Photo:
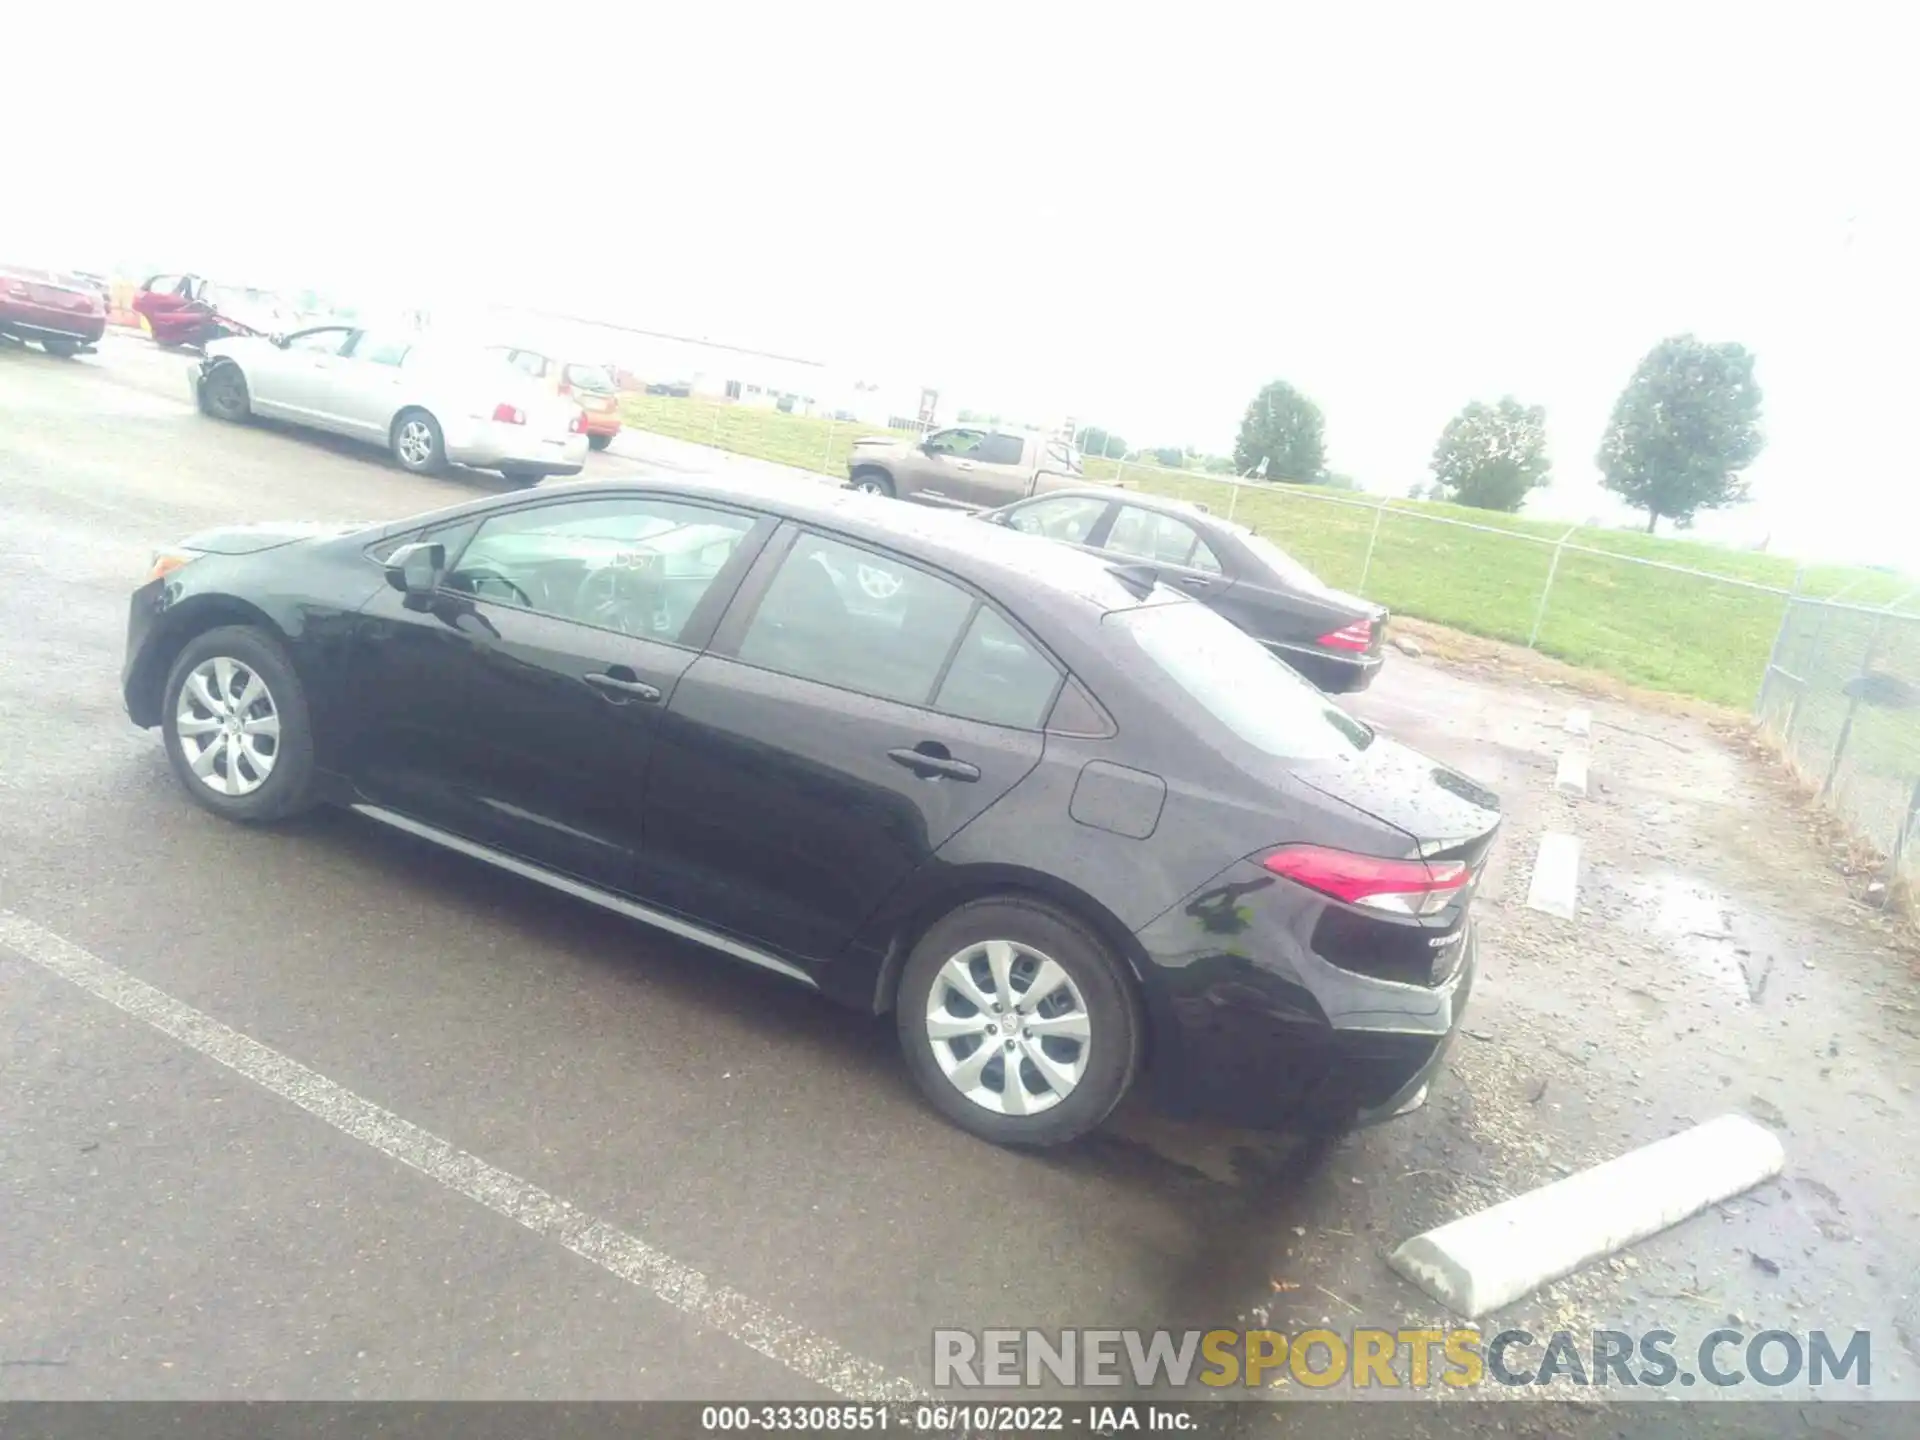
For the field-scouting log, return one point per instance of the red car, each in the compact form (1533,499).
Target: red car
(64,313)
(591,387)
(185,310)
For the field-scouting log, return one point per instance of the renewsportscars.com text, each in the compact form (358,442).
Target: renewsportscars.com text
(1397,1359)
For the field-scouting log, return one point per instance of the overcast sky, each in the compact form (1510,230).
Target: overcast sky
(1134,215)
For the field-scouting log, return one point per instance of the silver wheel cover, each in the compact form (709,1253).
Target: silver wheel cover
(1008,1027)
(228,726)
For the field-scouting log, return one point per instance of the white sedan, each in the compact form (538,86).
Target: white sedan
(427,403)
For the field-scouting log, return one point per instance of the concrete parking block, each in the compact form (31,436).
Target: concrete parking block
(1555,887)
(1579,722)
(1483,1261)
(1571,777)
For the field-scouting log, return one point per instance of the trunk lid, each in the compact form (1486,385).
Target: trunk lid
(1447,815)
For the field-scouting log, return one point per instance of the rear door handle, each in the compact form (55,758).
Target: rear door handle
(933,767)
(615,686)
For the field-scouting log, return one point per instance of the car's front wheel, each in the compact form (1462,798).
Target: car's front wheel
(61,349)
(1018,1024)
(599,442)
(872,482)
(223,393)
(418,444)
(237,731)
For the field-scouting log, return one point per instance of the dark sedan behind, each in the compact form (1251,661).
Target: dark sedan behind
(1332,638)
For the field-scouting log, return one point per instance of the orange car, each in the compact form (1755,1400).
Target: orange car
(591,387)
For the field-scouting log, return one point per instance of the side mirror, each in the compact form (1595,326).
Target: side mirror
(279,342)
(415,570)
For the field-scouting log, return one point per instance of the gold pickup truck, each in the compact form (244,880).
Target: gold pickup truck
(965,467)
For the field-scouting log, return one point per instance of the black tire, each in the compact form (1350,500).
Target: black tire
(522,479)
(223,394)
(287,787)
(1107,1000)
(873,482)
(426,445)
(61,349)
(599,442)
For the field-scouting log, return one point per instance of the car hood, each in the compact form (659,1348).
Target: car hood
(251,539)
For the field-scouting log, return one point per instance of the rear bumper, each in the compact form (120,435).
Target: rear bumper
(1252,1028)
(33,322)
(1336,672)
(492,445)
(602,422)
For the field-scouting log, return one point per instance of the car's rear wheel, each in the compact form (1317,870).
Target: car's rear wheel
(223,394)
(873,482)
(61,349)
(418,444)
(599,442)
(237,731)
(1017,1023)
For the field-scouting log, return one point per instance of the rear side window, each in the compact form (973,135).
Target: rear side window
(1000,450)
(590,377)
(998,676)
(857,620)
(1065,517)
(1242,685)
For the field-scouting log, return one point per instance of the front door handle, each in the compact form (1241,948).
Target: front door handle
(615,687)
(1195,582)
(934,767)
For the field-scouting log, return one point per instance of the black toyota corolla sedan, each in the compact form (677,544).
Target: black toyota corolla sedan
(1330,637)
(1071,829)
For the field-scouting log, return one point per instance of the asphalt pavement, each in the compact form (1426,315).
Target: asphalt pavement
(611,1165)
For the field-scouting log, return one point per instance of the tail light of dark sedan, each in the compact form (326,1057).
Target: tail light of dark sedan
(1413,888)
(1357,637)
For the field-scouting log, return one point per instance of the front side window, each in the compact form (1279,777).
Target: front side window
(858,620)
(954,442)
(380,350)
(637,565)
(319,342)
(1065,517)
(1000,449)
(1240,683)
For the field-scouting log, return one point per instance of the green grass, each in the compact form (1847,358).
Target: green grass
(1667,631)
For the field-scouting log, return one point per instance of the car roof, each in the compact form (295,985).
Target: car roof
(1004,561)
(1164,504)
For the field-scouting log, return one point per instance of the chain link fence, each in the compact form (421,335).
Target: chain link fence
(1842,698)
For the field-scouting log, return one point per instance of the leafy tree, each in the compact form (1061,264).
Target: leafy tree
(1092,440)
(1174,457)
(1683,430)
(1491,456)
(1334,480)
(1285,431)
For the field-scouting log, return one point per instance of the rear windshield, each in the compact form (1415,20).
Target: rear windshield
(589,377)
(1282,564)
(1241,683)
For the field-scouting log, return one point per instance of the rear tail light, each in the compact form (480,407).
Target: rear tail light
(1398,887)
(509,414)
(1357,636)
(578,423)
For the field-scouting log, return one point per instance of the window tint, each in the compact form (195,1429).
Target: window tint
(380,350)
(997,676)
(1065,517)
(636,565)
(1000,449)
(319,342)
(954,442)
(856,619)
(1240,683)
(1149,535)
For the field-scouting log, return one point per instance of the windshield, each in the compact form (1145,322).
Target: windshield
(1281,563)
(1241,684)
(590,377)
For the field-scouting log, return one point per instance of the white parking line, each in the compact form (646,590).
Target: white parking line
(809,1355)
(1555,888)
(1571,777)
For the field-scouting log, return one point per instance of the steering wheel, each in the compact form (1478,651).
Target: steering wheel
(604,598)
